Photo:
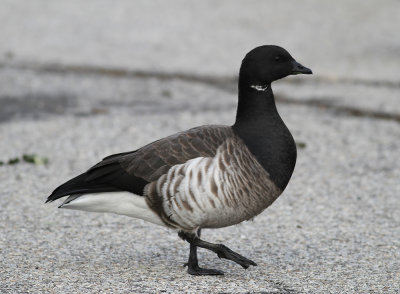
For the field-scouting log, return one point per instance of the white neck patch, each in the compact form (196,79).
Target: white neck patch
(259,87)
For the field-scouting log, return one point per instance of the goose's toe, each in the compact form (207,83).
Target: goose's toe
(225,252)
(198,271)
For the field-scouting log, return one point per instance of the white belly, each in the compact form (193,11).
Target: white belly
(124,203)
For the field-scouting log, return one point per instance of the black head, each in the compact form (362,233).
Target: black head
(268,63)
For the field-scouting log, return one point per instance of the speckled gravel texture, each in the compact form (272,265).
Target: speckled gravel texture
(336,228)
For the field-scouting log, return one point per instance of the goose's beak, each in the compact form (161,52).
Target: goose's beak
(299,69)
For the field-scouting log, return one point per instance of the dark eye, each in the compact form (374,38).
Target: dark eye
(277,58)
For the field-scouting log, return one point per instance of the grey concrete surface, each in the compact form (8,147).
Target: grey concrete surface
(350,38)
(336,229)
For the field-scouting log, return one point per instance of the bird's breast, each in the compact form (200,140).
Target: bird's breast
(212,192)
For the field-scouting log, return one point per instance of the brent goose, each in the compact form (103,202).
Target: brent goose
(206,177)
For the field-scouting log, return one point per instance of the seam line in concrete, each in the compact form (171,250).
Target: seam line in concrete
(206,79)
(220,82)
(348,110)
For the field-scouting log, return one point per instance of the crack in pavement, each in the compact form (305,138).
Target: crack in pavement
(184,76)
(343,109)
(227,83)
(118,72)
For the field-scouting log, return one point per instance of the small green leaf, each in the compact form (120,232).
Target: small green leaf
(28,158)
(13,160)
(35,159)
(41,160)
(301,145)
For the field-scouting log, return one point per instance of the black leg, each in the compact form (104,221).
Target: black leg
(193,263)
(221,250)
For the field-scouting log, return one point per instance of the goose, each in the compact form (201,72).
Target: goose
(211,176)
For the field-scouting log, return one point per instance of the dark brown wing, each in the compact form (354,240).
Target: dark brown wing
(131,171)
(155,159)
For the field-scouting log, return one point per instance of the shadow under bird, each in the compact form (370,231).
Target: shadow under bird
(211,176)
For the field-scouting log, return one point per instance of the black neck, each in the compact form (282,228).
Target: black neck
(259,125)
(255,105)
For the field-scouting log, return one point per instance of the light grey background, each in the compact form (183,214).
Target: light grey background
(80,80)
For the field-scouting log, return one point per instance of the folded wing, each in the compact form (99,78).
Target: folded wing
(132,171)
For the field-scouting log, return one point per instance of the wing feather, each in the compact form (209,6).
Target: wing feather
(132,171)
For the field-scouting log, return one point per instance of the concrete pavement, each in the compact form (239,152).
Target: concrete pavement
(82,80)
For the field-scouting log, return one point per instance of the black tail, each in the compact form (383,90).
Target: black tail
(106,176)
(79,185)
